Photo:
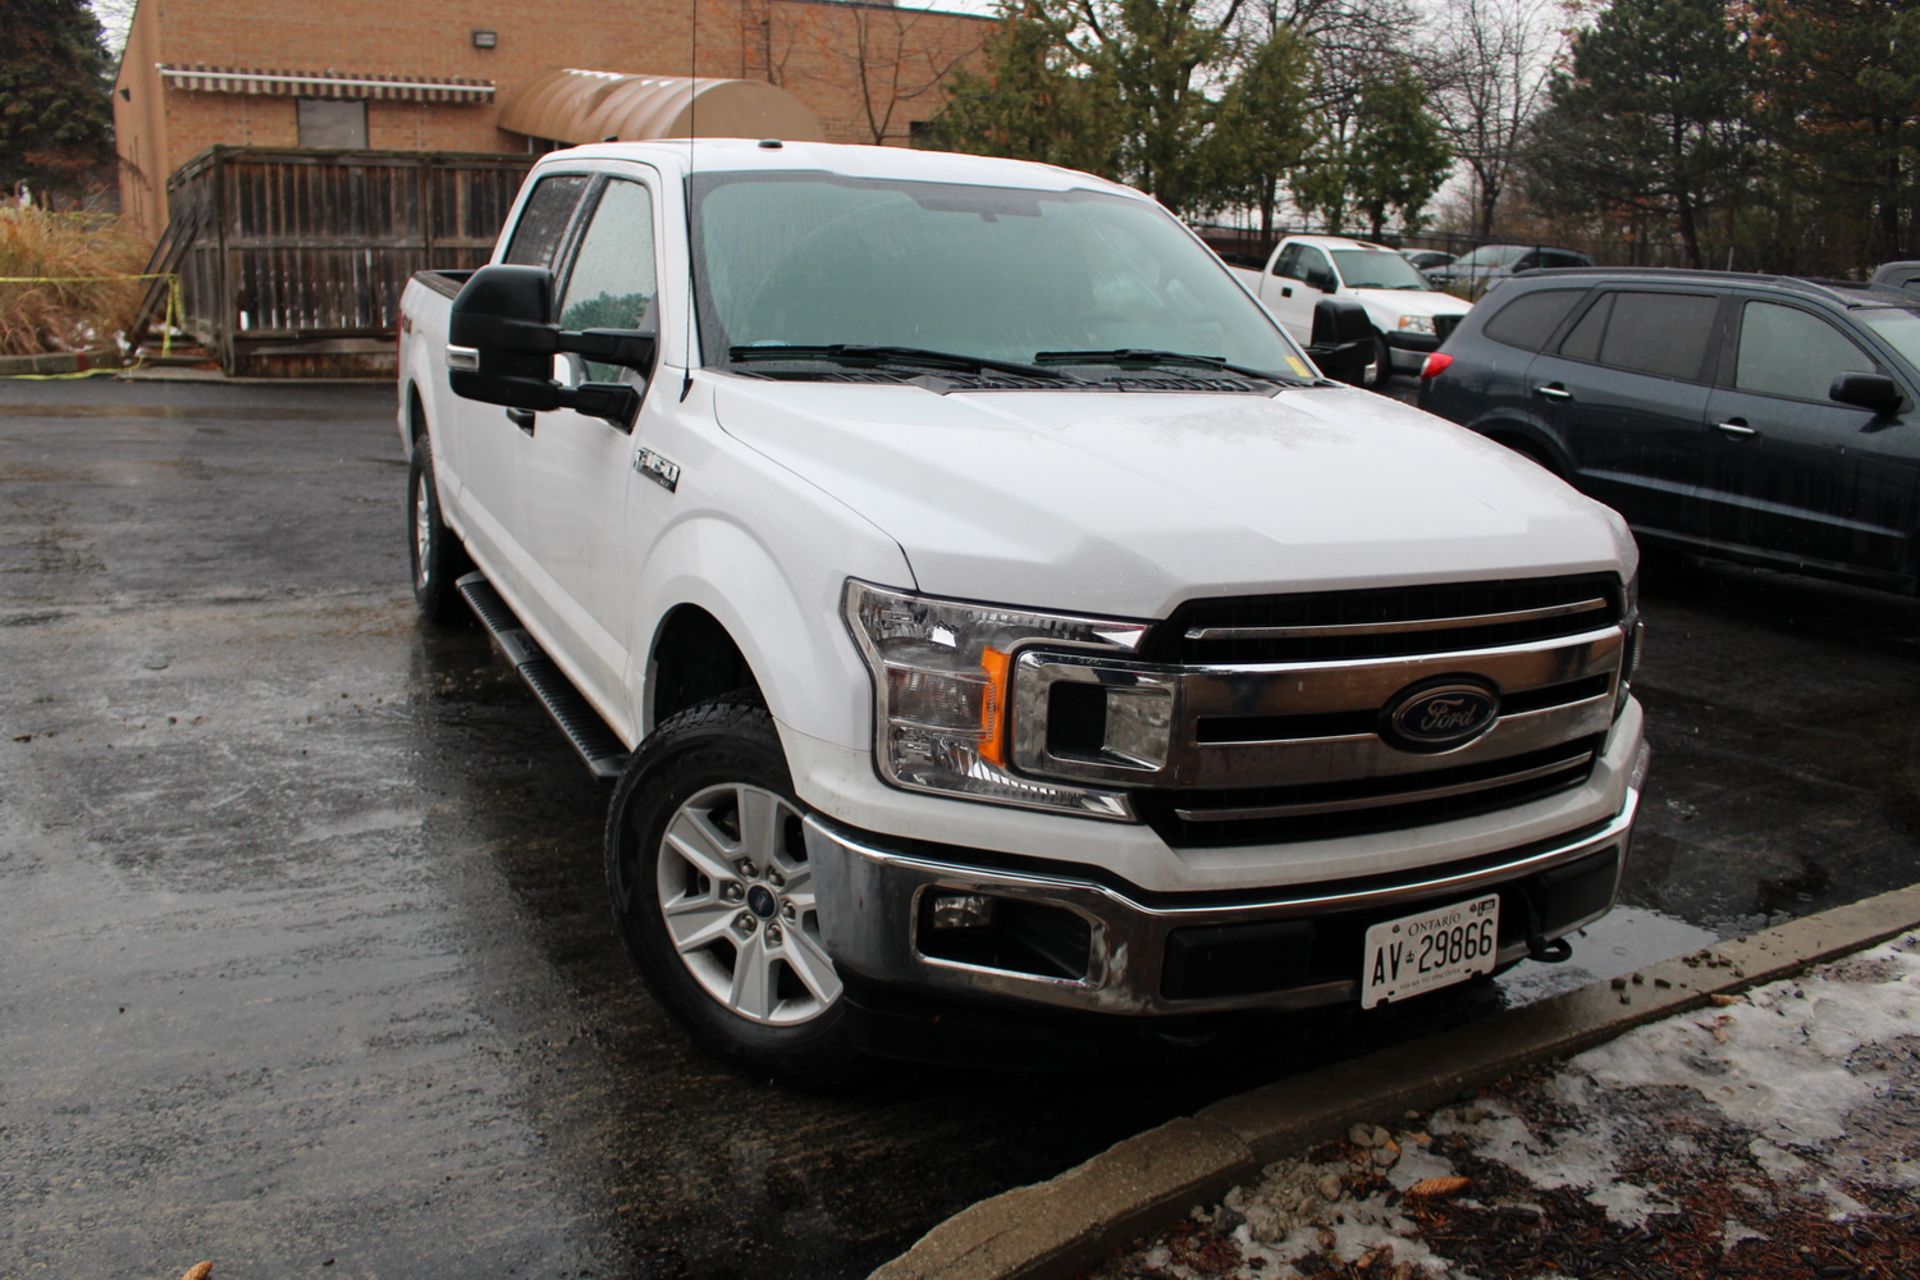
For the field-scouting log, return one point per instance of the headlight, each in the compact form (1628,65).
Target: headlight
(1636,640)
(1417,324)
(940,692)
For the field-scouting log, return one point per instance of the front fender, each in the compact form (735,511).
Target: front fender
(781,606)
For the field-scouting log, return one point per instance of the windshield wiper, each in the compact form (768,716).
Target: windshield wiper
(1143,357)
(911,357)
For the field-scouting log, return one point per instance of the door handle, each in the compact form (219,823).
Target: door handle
(521,418)
(1553,393)
(1286,291)
(1736,427)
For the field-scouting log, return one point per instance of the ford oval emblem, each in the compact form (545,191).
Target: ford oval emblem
(1438,717)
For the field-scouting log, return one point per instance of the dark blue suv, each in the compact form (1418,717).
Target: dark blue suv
(1762,417)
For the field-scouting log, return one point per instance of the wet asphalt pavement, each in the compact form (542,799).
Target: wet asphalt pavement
(304,959)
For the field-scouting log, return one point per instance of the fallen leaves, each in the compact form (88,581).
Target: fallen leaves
(1436,1188)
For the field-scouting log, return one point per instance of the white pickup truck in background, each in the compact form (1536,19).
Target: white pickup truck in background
(979,601)
(1410,316)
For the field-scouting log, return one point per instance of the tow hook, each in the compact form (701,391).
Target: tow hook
(1538,947)
(1548,952)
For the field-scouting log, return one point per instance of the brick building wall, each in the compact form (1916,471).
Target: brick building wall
(815,49)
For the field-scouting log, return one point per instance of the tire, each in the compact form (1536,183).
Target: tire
(434,551)
(713,899)
(1382,365)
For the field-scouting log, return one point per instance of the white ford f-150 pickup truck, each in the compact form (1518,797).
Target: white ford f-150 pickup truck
(978,600)
(1410,317)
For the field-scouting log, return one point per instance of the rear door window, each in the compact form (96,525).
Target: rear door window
(1584,342)
(1785,351)
(1662,334)
(543,222)
(1530,319)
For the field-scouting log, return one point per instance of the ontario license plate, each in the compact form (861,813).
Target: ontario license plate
(1436,948)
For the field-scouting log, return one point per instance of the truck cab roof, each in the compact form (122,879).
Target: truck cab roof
(678,157)
(1337,242)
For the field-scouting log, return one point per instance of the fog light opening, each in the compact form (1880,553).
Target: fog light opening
(962,911)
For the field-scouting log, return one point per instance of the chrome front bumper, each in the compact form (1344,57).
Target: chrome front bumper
(871,912)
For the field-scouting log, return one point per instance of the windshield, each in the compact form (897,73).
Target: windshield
(1493,255)
(1899,327)
(1377,269)
(813,259)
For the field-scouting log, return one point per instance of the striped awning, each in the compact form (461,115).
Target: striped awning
(326,84)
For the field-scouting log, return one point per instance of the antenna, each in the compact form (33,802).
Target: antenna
(686,196)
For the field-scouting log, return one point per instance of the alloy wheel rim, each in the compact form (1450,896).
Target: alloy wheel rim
(736,895)
(422,530)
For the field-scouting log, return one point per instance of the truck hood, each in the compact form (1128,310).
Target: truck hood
(1125,504)
(1394,303)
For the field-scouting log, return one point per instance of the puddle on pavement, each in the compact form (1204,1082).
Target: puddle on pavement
(1625,939)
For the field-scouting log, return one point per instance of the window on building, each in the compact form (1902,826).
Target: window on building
(330,122)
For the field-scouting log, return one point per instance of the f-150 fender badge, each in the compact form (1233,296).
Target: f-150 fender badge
(657,469)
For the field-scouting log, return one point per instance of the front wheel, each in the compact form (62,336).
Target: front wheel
(1379,371)
(713,895)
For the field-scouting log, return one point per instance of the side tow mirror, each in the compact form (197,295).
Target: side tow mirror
(1342,338)
(1320,278)
(1875,391)
(500,348)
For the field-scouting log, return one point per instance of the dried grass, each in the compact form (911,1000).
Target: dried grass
(60,312)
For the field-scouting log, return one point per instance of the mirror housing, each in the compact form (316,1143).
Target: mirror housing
(1875,391)
(1320,278)
(1342,338)
(500,348)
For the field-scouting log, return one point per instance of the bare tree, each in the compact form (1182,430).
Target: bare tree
(116,16)
(890,65)
(1491,62)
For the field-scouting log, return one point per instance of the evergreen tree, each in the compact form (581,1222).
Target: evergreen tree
(1400,155)
(56,115)
(1655,117)
(1261,131)
(1033,100)
(1843,81)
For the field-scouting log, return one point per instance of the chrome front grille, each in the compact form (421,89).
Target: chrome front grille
(1384,622)
(1256,721)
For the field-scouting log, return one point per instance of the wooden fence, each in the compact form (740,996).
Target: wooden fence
(298,257)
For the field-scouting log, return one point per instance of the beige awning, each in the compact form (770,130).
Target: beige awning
(568,104)
(326,84)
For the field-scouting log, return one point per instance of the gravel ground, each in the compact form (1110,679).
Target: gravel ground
(1773,1134)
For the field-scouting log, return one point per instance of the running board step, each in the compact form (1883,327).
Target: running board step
(574,714)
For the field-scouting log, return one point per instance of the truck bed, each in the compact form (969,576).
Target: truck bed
(444,283)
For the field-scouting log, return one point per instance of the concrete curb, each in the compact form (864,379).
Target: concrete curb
(1058,1227)
(58,362)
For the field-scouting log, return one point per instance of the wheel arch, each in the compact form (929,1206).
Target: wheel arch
(693,659)
(712,581)
(1530,440)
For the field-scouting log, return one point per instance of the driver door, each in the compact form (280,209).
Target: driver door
(579,470)
(1289,297)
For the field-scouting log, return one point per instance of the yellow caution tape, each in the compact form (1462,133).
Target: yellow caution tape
(174,312)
